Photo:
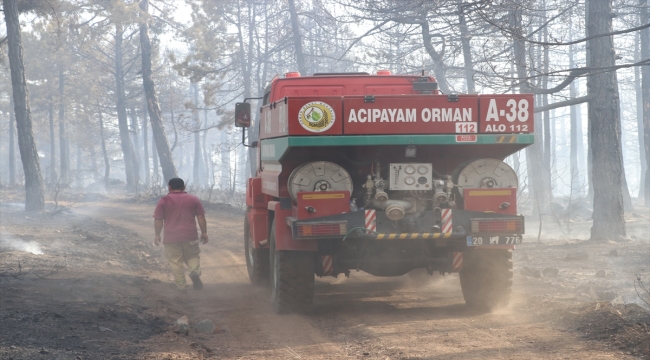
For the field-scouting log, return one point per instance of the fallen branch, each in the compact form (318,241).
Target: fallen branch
(642,291)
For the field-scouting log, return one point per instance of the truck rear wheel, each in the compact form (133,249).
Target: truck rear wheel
(486,278)
(292,278)
(257,260)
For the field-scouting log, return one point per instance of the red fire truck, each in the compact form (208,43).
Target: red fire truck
(385,174)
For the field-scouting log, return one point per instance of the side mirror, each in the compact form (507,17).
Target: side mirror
(243,114)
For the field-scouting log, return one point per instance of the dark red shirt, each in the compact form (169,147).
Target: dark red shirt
(178,210)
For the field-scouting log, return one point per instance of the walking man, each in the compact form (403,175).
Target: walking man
(176,212)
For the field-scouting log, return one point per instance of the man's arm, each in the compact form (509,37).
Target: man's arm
(158,226)
(204,228)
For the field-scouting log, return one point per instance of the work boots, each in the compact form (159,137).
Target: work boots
(196,281)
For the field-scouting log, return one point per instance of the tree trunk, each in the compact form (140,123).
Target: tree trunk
(297,40)
(575,132)
(196,169)
(533,152)
(107,164)
(145,146)
(34,192)
(604,123)
(627,198)
(639,116)
(12,143)
(130,162)
(64,148)
(155,115)
(438,65)
(225,162)
(204,151)
(590,191)
(135,137)
(79,176)
(93,162)
(50,113)
(465,38)
(156,163)
(645,93)
(548,150)
(245,61)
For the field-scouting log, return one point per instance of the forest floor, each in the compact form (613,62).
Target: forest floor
(87,283)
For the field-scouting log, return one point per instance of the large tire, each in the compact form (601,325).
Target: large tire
(486,278)
(257,260)
(292,278)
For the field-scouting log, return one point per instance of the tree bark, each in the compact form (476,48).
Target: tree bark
(107,164)
(155,115)
(297,40)
(34,192)
(604,122)
(12,143)
(130,162)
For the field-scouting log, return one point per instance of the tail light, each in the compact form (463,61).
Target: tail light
(503,226)
(322,229)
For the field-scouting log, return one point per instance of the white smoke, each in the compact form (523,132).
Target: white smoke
(8,242)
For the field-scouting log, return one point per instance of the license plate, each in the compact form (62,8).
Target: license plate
(493,240)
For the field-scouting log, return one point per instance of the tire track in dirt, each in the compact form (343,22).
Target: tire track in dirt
(361,317)
(243,311)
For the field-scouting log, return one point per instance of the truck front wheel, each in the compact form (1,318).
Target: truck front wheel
(292,278)
(257,260)
(486,278)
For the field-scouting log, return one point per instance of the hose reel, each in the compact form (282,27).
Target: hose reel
(319,176)
(486,173)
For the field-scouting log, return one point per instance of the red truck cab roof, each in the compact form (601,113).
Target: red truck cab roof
(344,85)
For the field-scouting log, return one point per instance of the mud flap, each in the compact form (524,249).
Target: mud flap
(325,265)
(455,262)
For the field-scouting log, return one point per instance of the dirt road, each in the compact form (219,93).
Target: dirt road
(362,317)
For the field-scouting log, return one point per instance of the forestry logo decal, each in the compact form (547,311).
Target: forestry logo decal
(316,116)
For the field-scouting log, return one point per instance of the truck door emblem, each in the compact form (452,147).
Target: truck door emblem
(316,116)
